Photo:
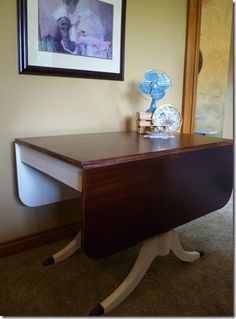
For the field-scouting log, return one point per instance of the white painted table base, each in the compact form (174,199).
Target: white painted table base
(156,246)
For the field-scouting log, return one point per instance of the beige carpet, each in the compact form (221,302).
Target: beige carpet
(170,287)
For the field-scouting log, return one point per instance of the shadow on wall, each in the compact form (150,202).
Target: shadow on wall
(128,124)
(133,95)
(135,99)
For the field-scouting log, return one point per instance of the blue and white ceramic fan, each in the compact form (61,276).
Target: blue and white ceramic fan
(154,85)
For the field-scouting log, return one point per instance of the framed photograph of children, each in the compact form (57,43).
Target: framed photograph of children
(76,38)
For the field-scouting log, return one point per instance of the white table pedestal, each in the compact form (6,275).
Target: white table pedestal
(156,246)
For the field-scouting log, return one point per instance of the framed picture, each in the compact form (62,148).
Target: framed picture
(76,38)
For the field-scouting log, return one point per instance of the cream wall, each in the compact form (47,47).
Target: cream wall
(43,105)
(213,80)
(228,127)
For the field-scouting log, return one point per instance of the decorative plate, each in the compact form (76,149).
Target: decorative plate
(167,117)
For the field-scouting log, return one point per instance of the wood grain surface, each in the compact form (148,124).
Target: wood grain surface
(102,149)
(126,203)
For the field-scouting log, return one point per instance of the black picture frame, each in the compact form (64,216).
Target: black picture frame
(92,67)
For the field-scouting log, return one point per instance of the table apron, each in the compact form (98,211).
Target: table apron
(43,179)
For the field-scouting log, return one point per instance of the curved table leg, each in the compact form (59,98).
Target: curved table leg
(157,246)
(176,247)
(64,253)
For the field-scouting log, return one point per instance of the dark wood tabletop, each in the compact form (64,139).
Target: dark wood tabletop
(101,149)
(135,187)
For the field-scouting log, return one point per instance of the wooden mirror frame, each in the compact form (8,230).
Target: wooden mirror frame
(193,28)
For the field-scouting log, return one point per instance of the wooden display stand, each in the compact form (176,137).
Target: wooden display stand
(144,122)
